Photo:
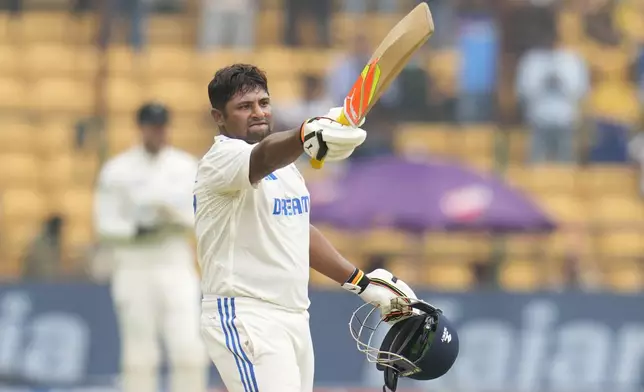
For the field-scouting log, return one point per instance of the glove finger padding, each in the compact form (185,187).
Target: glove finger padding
(324,138)
(335,114)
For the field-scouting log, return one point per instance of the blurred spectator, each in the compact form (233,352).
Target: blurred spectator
(314,102)
(478,45)
(136,11)
(551,84)
(416,93)
(306,13)
(11,5)
(361,6)
(43,257)
(228,23)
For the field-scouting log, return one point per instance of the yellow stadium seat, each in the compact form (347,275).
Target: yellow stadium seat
(168,61)
(470,247)
(181,95)
(618,245)
(599,180)
(75,204)
(571,27)
(344,241)
(476,140)
(544,178)
(49,59)
(123,61)
(408,269)
(121,134)
(13,94)
(630,20)
(450,276)
(285,89)
(386,241)
(22,203)
(617,211)
(55,136)
(175,29)
(269,27)
(615,100)
(44,26)
(419,139)
(17,235)
(209,62)
(626,278)
(59,169)
(523,245)
(517,143)
(19,170)
(316,61)
(16,135)
(272,59)
(9,59)
(521,275)
(123,95)
(8,28)
(564,207)
(62,95)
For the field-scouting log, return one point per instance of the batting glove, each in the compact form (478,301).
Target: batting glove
(327,139)
(382,289)
(335,114)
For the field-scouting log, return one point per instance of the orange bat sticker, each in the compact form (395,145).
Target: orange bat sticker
(361,94)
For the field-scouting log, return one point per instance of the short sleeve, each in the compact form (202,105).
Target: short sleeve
(226,167)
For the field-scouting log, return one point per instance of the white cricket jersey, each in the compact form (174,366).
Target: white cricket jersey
(135,188)
(252,239)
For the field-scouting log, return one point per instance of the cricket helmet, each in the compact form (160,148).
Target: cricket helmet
(423,346)
(153,113)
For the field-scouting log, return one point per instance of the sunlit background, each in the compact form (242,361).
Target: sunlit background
(520,120)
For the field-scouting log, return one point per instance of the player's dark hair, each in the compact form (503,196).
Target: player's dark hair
(232,80)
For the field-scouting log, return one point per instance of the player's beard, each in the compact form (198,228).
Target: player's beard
(257,135)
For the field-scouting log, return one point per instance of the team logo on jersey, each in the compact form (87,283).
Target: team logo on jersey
(291,206)
(271,177)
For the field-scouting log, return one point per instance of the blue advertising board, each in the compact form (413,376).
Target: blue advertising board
(66,334)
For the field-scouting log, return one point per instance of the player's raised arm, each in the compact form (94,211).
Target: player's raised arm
(241,108)
(379,287)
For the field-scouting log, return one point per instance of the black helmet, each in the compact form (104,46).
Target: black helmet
(153,113)
(423,346)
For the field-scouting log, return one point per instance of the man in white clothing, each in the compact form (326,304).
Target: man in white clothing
(143,215)
(255,243)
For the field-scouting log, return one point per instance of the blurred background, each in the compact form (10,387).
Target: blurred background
(520,120)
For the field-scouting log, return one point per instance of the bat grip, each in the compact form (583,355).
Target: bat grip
(342,119)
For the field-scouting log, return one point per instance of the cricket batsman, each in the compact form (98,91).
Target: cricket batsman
(255,242)
(143,215)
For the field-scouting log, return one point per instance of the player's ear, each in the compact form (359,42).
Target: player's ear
(218,116)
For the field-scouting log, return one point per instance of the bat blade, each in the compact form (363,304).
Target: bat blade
(386,63)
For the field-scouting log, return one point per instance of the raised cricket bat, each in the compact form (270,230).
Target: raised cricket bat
(391,56)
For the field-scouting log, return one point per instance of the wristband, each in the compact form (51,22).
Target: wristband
(357,282)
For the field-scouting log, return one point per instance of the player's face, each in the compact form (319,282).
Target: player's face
(154,137)
(247,116)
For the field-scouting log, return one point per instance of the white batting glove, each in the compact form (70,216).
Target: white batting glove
(382,289)
(327,139)
(335,113)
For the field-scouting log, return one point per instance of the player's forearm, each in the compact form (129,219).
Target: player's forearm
(325,259)
(274,152)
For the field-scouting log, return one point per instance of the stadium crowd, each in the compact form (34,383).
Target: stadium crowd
(545,94)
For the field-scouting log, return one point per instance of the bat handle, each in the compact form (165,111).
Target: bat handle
(342,119)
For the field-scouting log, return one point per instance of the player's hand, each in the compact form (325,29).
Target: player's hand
(327,139)
(335,114)
(382,289)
